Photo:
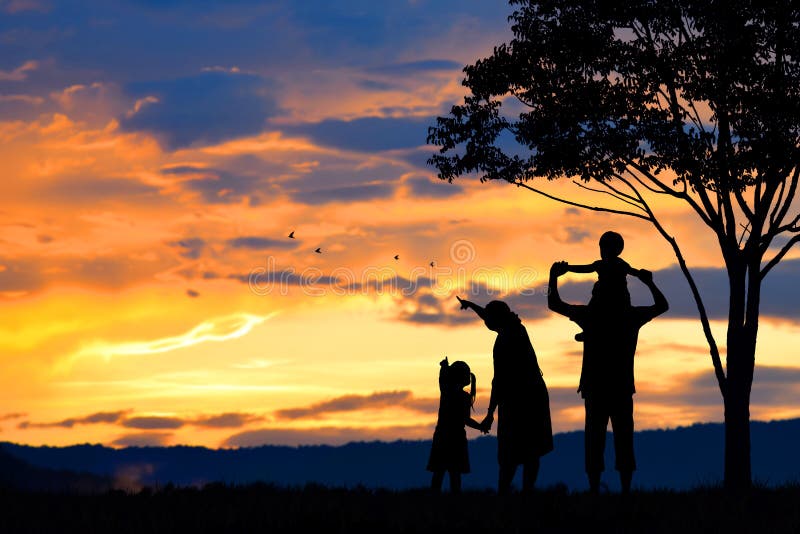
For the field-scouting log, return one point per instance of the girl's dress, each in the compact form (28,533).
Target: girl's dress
(449,447)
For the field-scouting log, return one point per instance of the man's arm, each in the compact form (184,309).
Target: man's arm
(554,301)
(660,304)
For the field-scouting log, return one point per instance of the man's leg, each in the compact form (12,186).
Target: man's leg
(622,425)
(595,440)
(506,477)
(625,478)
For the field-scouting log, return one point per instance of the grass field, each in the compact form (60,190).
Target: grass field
(260,508)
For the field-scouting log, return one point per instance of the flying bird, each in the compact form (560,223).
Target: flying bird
(397,256)
(432,264)
(319,250)
(291,234)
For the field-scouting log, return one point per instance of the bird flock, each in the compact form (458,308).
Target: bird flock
(318,250)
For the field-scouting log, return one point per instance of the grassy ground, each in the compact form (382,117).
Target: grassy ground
(261,508)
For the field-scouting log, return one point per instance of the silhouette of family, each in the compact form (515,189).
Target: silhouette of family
(610,328)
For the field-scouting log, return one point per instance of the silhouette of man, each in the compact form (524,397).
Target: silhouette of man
(606,384)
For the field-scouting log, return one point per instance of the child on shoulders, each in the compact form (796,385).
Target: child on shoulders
(611,289)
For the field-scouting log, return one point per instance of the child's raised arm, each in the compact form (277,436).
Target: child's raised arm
(443,365)
(590,268)
(631,271)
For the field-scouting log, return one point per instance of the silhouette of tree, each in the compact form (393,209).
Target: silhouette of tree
(693,100)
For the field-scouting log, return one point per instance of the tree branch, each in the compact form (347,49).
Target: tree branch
(791,227)
(612,193)
(774,211)
(779,256)
(731,229)
(650,187)
(699,122)
(779,212)
(712,343)
(578,204)
(706,212)
(713,218)
(787,202)
(743,205)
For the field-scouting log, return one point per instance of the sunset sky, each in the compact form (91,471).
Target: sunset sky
(155,157)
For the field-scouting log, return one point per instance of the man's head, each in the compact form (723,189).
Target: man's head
(611,245)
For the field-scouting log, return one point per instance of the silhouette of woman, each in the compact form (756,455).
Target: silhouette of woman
(524,430)
(449,448)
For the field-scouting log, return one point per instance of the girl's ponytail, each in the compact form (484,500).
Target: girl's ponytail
(472,390)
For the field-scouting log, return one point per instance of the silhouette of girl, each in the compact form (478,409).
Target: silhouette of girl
(449,448)
(524,431)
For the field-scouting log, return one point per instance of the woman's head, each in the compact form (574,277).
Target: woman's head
(498,315)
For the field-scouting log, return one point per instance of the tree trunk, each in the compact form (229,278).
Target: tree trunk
(741,340)
(741,358)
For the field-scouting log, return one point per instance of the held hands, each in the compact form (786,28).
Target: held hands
(559,268)
(486,424)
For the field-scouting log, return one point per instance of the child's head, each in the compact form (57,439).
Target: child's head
(498,315)
(460,376)
(611,245)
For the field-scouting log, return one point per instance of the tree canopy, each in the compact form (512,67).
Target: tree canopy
(707,89)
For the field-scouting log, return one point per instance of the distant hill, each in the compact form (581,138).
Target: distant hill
(680,458)
(17,474)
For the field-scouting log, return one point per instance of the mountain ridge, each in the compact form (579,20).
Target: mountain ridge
(679,458)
